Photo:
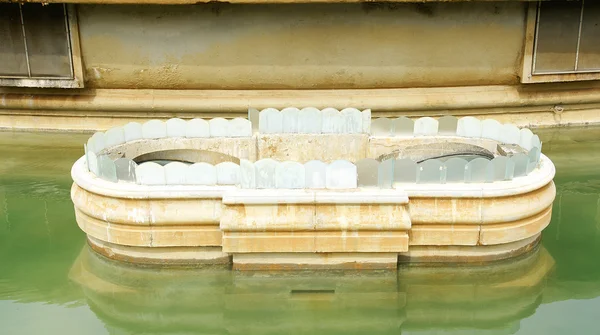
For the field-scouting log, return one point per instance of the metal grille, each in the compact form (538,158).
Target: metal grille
(43,42)
(561,27)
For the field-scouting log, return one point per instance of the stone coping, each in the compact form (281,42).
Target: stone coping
(519,185)
(270,196)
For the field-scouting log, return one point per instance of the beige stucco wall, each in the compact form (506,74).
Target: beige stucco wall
(301,46)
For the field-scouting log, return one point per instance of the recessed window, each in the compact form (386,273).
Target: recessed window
(37,46)
(563,41)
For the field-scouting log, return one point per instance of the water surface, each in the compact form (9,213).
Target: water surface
(51,283)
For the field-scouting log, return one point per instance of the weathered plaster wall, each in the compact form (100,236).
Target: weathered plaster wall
(301,46)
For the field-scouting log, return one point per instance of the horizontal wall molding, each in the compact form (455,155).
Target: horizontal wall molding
(536,105)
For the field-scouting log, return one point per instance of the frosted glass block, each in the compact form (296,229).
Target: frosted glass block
(477,171)
(290,175)
(381,127)
(197,128)
(96,143)
(201,174)
(154,129)
(533,159)
(469,126)
(133,131)
(430,172)
(520,162)
(239,127)
(247,174)
(510,134)
(310,121)
(535,142)
(290,120)
(265,173)
(426,126)
(366,121)
(270,121)
(253,117)
(405,171)
(315,174)
(125,169)
(386,173)
(448,125)
(176,127)
(455,170)
(218,127)
(92,161)
(500,168)
(114,136)
(175,173)
(228,173)
(491,129)
(107,168)
(352,121)
(368,172)
(332,121)
(403,126)
(150,173)
(525,139)
(341,174)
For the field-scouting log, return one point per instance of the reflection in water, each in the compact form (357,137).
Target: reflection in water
(490,299)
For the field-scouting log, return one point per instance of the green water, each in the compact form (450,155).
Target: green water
(50,283)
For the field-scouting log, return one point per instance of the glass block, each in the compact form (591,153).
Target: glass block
(108,170)
(520,162)
(341,174)
(240,127)
(448,125)
(468,126)
(253,117)
(491,129)
(589,45)
(310,121)
(228,173)
(368,172)
(352,120)
(290,175)
(175,173)
(197,128)
(265,173)
(13,61)
(525,140)
(114,136)
(557,31)
(500,168)
(289,117)
(386,173)
(405,171)
(510,134)
(426,126)
(476,170)
(218,127)
(403,126)
(270,121)
(154,129)
(204,174)
(455,170)
(366,121)
(125,169)
(150,173)
(332,121)
(381,127)
(133,131)
(430,172)
(176,127)
(315,174)
(47,40)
